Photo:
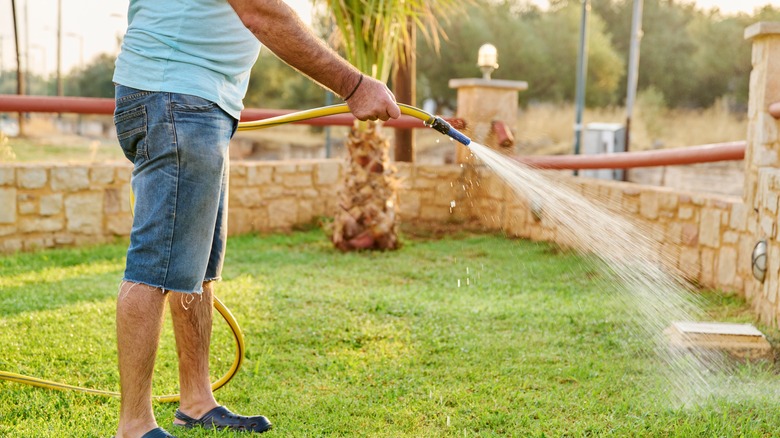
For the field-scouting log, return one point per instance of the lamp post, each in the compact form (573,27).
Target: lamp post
(81,47)
(487,60)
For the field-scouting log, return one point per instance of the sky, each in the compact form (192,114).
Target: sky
(90,27)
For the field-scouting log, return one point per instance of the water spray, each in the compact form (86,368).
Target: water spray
(429,120)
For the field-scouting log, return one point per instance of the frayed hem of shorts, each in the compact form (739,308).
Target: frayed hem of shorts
(162,288)
(209,280)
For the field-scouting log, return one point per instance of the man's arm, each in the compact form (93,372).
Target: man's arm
(280,29)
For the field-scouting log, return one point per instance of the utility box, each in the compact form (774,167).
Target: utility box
(603,138)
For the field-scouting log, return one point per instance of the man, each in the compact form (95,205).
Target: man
(181,76)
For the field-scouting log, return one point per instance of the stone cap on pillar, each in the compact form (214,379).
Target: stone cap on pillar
(489,83)
(762,28)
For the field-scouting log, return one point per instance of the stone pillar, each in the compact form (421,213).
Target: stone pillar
(762,164)
(482,102)
(762,141)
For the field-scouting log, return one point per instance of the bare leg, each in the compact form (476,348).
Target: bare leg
(192,315)
(139,311)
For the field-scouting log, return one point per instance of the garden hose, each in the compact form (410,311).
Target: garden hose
(430,120)
(434,122)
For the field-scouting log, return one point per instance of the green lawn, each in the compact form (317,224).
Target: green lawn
(471,335)
(47,150)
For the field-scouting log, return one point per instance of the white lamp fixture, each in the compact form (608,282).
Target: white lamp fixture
(487,60)
(758,260)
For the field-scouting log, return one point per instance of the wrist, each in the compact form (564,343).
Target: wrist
(355,88)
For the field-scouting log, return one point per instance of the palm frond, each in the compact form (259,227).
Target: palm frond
(373,34)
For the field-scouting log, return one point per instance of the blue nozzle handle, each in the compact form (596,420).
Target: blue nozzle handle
(457,135)
(445,128)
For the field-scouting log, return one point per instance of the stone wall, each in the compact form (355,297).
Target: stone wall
(48,205)
(706,237)
(53,205)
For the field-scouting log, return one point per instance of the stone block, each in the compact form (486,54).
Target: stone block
(7,230)
(112,201)
(8,203)
(282,213)
(434,213)
(305,167)
(738,217)
(674,233)
(668,201)
(123,173)
(730,237)
(7,175)
(329,172)
(297,180)
(242,220)
(690,234)
(41,225)
(741,342)
(9,246)
(631,204)
(648,205)
(285,167)
(69,178)
(685,212)
(31,177)
(102,175)
(708,267)
(27,204)
(84,213)
(246,197)
(259,175)
(119,224)
(305,212)
(50,205)
(409,204)
(709,229)
(65,239)
(727,266)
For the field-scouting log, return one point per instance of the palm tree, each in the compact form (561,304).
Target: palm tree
(373,35)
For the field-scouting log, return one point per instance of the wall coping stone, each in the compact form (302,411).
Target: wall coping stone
(762,28)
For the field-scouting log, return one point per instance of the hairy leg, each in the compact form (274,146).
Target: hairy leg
(192,316)
(139,311)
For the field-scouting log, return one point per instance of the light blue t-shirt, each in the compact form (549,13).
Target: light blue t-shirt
(197,47)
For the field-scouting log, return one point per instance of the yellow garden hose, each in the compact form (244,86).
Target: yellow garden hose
(218,305)
(429,120)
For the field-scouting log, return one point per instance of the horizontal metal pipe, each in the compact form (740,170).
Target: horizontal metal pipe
(105,106)
(625,160)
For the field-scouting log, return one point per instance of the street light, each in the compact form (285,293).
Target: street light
(487,58)
(81,47)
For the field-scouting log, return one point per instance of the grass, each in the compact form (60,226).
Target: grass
(469,335)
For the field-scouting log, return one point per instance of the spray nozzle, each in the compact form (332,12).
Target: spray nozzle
(445,128)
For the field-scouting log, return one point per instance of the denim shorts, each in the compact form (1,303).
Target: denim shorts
(178,145)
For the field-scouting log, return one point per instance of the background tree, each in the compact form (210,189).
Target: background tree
(534,46)
(95,80)
(274,84)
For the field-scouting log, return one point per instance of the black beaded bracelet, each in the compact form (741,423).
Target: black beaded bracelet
(354,89)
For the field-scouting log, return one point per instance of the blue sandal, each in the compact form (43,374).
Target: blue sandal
(221,418)
(157,433)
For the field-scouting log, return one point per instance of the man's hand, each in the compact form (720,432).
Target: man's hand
(372,100)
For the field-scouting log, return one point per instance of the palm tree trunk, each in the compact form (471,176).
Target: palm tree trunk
(367,217)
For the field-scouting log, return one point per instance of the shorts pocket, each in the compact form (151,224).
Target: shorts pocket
(190,103)
(131,127)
